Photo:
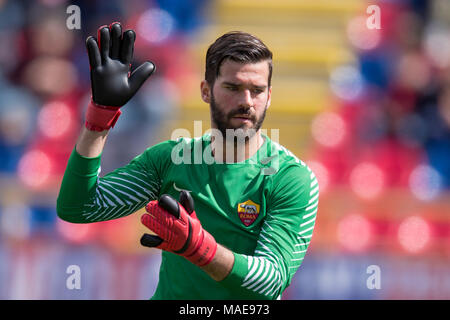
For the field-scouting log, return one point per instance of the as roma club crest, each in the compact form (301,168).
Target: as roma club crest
(248,212)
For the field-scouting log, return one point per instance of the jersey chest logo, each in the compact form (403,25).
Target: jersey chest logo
(248,212)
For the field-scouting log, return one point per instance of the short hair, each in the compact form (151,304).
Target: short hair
(237,46)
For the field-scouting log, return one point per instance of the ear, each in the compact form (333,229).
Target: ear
(205,91)
(269,97)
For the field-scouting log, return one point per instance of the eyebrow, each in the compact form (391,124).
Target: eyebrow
(227,83)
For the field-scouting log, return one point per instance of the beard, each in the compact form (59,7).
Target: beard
(223,120)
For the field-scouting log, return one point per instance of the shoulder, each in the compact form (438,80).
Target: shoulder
(157,157)
(163,150)
(162,147)
(174,152)
(293,184)
(289,165)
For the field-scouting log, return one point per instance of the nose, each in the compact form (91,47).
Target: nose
(247,99)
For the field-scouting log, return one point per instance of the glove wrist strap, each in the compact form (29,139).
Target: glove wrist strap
(205,251)
(100,118)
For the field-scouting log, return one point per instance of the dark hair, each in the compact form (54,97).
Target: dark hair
(236,46)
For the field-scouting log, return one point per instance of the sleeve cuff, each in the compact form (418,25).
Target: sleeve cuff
(238,272)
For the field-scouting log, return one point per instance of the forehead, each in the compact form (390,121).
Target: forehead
(256,73)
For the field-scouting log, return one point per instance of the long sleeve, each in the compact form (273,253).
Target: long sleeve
(284,238)
(85,197)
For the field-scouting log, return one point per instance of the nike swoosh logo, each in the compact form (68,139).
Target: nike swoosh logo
(268,159)
(179,189)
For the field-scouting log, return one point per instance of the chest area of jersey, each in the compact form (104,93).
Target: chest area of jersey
(226,198)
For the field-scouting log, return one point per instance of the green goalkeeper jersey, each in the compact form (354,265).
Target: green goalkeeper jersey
(263,209)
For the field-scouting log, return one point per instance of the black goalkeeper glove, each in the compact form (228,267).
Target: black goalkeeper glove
(111,81)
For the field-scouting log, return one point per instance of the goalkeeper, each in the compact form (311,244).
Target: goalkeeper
(234,226)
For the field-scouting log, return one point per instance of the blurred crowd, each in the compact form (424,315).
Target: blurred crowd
(45,89)
(387,128)
(392,124)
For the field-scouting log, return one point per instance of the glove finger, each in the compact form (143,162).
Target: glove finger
(148,240)
(162,221)
(138,76)
(165,230)
(93,52)
(187,201)
(116,35)
(170,205)
(157,212)
(103,40)
(126,51)
(154,225)
(153,241)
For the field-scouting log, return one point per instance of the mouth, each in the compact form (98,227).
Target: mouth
(242,116)
(246,120)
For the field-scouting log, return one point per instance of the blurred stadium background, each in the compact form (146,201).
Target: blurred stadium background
(368,110)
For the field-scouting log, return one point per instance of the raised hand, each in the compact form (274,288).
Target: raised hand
(112,84)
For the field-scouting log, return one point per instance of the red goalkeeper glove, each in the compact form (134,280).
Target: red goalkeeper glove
(178,229)
(111,81)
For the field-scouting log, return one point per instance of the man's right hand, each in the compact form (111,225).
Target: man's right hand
(112,84)
(178,229)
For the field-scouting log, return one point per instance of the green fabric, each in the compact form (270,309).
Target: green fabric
(263,209)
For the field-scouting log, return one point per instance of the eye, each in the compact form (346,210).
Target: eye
(232,88)
(257,91)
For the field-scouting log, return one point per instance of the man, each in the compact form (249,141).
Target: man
(246,212)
